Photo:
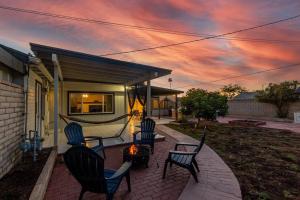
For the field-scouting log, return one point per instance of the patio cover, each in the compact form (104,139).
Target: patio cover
(159,91)
(77,66)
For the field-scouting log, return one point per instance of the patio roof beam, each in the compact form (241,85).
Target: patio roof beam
(41,67)
(57,64)
(79,68)
(94,77)
(100,66)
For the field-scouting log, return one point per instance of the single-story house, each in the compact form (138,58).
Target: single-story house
(57,81)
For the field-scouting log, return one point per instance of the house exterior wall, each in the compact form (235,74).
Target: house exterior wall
(118,91)
(11,124)
(253,108)
(33,77)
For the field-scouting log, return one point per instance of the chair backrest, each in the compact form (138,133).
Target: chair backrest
(147,125)
(87,167)
(74,133)
(201,143)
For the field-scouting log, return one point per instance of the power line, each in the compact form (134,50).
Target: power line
(219,36)
(242,75)
(153,29)
(205,38)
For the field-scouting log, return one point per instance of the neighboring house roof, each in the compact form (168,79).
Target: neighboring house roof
(78,66)
(245,96)
(13,59)
(23,57)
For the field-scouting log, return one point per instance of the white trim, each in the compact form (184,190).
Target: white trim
(56,64)
(55,106)
(148,98)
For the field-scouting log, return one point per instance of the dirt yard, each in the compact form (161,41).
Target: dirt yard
(266,161)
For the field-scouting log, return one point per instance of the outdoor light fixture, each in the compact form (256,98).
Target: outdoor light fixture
(85,95)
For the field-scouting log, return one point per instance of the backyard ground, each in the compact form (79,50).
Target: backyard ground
(19,182)
(266,161)
(146,183)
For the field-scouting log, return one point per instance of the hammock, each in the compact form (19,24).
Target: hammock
(135,92)
(119,135)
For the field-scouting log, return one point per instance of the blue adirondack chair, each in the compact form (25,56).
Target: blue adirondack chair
(147,133)
(75,137)
(88,169)
(185,159)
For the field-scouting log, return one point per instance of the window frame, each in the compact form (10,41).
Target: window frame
(94,92)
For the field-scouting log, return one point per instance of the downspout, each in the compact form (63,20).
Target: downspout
(26,80)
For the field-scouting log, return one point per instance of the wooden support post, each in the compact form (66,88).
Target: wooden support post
(176,107)
(148,98)
(125,102)
(158,108)
(55,106)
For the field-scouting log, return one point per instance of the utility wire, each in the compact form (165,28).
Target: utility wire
(154,29)
(243,75)
(205,38)
(208,36)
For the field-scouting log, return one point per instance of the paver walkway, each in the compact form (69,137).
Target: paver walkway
(216,180)
(146,183)
(269,124)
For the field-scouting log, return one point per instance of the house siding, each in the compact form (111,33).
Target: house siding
(11,124)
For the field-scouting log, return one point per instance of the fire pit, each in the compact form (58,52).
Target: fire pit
(139,155)
(247,122)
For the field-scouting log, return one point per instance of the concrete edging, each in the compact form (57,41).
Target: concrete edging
(216,179)
(41,184)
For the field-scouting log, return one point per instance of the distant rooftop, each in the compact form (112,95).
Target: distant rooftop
(23,57)
(245,96)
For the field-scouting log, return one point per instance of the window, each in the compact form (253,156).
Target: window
(90,103)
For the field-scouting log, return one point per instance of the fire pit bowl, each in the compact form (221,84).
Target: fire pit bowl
(241,122)
(138,154)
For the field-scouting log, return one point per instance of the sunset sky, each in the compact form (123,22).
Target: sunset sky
(195,64)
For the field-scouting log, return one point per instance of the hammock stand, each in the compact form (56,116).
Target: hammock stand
(137,94)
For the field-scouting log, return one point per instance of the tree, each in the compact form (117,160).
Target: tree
(231,90)
(204,104)
(280,95)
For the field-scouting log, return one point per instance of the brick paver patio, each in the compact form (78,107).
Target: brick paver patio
(146,183)
(216,180)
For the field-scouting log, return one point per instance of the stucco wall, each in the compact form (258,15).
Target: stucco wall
(33,77)
(118,91)
(11,124)
(253,108)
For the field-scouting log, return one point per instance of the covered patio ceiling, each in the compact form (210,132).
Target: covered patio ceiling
(77,66)
(159,91)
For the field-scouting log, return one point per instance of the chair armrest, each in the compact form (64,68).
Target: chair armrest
(136,132)
(121,171)
(184,144)
(182,153)
(93,138)
(74,144)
